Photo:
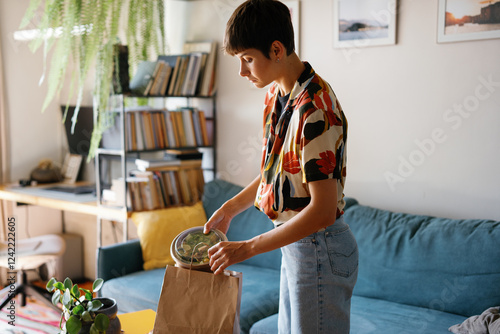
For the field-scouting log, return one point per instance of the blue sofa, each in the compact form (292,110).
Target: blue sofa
(417,274)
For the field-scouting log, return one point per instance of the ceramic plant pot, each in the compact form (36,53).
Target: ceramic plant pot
(109,308)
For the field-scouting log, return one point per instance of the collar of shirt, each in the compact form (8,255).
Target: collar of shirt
(281,115)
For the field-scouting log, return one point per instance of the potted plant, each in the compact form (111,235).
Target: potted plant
(81,311)
(88,32)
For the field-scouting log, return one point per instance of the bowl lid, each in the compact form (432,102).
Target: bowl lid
(192,245)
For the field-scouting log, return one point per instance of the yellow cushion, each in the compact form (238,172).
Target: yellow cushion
(157,229)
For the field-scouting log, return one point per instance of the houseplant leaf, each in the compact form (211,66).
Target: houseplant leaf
(75,291)
(89,295)
(94,305)
(86,316)
(87,31)
(101,322)
(78,310)
(56,297)
(97,284)
(73,325)
(68,284)
(50,284)
(93,330)
(66,299)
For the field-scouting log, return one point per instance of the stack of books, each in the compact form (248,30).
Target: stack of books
(161,185)
(151,129)
(189,74)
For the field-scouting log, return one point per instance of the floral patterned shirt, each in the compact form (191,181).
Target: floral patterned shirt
(306,144)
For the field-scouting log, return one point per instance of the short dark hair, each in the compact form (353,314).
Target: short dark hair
(257,24)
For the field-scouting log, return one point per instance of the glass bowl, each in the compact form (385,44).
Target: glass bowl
(189,249)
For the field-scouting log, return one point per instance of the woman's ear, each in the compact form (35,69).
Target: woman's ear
(278,50)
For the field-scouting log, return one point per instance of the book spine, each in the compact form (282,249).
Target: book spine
(169,129)
(187,122)
(197,127)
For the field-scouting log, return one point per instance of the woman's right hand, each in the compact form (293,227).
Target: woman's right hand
(221,219)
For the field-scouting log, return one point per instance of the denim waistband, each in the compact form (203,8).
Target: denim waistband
(338,225)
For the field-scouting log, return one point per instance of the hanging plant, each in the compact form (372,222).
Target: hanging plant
(87,31)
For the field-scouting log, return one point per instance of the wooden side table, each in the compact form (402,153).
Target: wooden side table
(140,322)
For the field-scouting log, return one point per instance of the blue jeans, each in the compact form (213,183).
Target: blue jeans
(318,274)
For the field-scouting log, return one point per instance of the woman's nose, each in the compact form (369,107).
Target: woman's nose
(243,70)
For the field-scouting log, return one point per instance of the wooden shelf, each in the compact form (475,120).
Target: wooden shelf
(16,194)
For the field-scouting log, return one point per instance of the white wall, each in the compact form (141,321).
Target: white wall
(239,104)
(408,147)
(395,96)
(33,136)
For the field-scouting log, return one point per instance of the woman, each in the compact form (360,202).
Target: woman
(300,187)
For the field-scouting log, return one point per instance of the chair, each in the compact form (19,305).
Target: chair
(40,254)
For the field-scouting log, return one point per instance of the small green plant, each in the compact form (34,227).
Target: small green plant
(78,306)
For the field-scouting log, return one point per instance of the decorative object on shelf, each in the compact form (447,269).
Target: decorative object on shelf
(88,30)
(465,21)
(46,172)
(81,312)
(364,23)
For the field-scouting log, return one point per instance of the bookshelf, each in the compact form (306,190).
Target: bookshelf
(133,178)
(157,149)
(150,155)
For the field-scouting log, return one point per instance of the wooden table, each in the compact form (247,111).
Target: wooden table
(140,322)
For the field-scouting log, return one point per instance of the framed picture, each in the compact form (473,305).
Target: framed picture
(465,20)
(294,13)
(360,23)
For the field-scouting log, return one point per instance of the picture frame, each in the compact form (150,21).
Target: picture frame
(362,23)
(466,21)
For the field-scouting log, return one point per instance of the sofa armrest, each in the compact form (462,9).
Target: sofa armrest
(119,259)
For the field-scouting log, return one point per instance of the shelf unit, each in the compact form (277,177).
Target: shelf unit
(106,159)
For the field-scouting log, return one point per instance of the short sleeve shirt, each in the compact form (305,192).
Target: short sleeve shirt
(305,144)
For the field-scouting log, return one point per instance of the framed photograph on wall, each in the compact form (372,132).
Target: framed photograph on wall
(466,20)
(360,23)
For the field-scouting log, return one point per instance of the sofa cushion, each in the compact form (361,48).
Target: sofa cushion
(244,226)
(380,316)
(443,264)
(267,325)
(375,316)
(158,228)
(136,291)
(260,296)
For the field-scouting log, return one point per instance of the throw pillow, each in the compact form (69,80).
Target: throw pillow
(157,229)
(487,322)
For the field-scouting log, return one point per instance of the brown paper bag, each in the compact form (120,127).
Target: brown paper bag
(196,302)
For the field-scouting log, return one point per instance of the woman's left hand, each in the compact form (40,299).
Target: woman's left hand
(227,253)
